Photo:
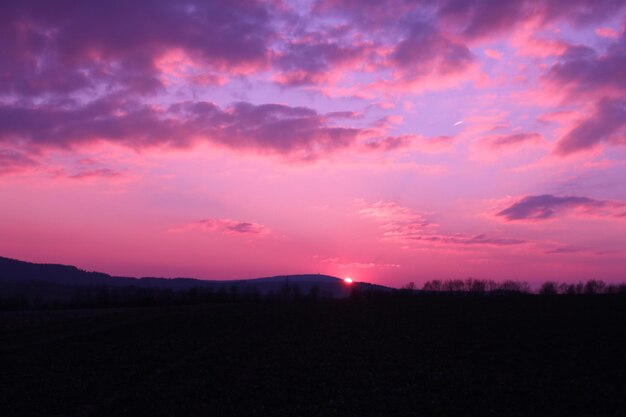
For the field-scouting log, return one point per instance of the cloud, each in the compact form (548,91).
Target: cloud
(271,128)
(13,162)
(606,125)
(597,81)
(96,173)
(584,74)
(405,226)
(429,145)
(70,48)
(511,140)
(493,54)
(605,32)
(226,226)
(426,51)
(564,250)
(305,62)
(547,206)
(478,19)
(357,265)
(493,148)
(296,133)
(73,46)
(389,143)
(470,19)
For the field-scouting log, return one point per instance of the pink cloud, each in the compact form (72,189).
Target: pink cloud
(403,225)
(493,54)
(530,45)
(605,32)
(14,162)
(358,265)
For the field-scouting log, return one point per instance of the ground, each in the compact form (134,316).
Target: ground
(392,356)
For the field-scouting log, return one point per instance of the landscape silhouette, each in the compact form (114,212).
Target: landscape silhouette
(77,343)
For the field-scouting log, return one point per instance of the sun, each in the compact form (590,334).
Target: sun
(347,280)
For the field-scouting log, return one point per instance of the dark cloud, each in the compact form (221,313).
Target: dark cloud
(427,51)
(486,240)
(469,18)
(582,72)
(432,37)
(480,18)
(306,63)
(606,124)
(546,206)
(229,226)
(566,250)
(71,46)
(585,76)
(469,240)
(272,128)
(65,46)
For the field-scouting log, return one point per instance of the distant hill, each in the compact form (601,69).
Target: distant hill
(15,274)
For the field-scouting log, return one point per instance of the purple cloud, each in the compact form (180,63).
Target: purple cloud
(583,72)
(68,46)
(546,206)
(470,18)
(480,18)
(427,50)
(269,128)
(305,63)
(232,227)
(607,124)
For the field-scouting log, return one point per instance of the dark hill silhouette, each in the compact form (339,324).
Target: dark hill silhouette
(15,274)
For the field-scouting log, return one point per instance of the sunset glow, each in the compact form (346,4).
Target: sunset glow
(393,141)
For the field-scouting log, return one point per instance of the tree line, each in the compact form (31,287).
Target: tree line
(480,286)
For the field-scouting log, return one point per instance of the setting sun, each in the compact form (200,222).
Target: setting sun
(347,280)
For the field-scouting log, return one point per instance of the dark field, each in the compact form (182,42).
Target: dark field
(390,356)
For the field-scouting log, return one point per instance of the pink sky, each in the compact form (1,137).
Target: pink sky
(387,141)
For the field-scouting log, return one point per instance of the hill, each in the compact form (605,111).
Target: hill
(54,281)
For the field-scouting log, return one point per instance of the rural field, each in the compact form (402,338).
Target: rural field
(385,355)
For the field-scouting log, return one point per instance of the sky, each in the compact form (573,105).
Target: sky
(387,141)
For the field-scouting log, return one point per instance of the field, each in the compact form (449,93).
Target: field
(382,356)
